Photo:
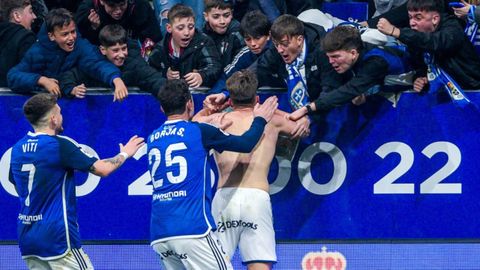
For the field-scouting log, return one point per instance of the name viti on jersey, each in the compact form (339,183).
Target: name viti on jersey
(30,146)
(167,131)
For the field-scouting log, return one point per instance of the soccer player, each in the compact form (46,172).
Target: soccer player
(42,167)
(241,206)
(178,153)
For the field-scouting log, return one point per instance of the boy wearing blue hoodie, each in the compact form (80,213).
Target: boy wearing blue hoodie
(58,50)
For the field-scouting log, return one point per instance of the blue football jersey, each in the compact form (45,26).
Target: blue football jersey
(42,168)
(178,155)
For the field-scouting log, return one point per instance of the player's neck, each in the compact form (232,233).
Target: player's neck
(183,116)
(243,108)
(48,131)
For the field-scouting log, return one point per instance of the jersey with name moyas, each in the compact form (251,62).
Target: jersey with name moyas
(42,169)
(178,154)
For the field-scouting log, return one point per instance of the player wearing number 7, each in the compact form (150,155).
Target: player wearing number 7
(42,166)
(178,154)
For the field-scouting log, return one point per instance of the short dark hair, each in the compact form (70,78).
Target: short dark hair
(342,38)
(7,7)
(286,25)
(114,2)
(425,5)
(242,86)
(173,96)
(220,4)
(112,34)
(180,11)
(38,106)
(255,24)
(58,18)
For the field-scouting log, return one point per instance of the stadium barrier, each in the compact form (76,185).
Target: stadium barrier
(374,183)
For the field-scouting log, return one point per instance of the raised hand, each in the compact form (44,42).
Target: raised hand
(94,19)
(267,109)
(132,145)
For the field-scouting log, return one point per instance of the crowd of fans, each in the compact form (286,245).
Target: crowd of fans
(65,47)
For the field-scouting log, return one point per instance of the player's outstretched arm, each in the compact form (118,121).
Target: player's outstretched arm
(294,129)
(104,167)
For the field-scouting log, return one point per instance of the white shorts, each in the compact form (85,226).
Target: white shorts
(204,253)
(76,259)
(244,219)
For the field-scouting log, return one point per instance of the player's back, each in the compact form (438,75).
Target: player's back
(181,180)
(46,195)
(247,169)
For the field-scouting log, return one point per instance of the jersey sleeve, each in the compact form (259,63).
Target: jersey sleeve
(73,156)
(213,137)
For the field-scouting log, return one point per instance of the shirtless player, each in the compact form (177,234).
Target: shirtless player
(241,207)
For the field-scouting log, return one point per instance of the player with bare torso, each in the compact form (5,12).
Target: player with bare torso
(241,207)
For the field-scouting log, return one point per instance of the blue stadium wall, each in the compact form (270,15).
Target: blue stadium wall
(379,186)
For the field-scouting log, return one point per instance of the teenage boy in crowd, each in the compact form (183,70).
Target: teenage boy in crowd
(121,52)
(223,29)
(296,60)
(135,16)
(436,39)
(361,67)
(16,37)
(59,50)
(185,53)
(255,29)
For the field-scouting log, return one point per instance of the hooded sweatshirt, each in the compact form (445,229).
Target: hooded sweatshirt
(15,40)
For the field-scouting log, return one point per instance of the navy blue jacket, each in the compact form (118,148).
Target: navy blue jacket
(46,58)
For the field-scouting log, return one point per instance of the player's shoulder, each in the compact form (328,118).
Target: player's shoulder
(31,137)
(207,129)
(62,139)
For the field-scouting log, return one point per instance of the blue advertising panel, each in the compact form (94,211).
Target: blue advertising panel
(318,256)
(367,172)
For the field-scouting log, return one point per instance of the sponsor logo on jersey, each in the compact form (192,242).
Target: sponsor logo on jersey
(30,218)
(170,195)
(170,253)
(324,261)
(224,225)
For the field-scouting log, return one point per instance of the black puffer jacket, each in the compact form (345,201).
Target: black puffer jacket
(200,55)
(228,44)
(451,49)
(15,40)
(139,20)
(369,71)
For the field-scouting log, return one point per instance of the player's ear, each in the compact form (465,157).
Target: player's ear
(52,121)
(257,99)
(189,107)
